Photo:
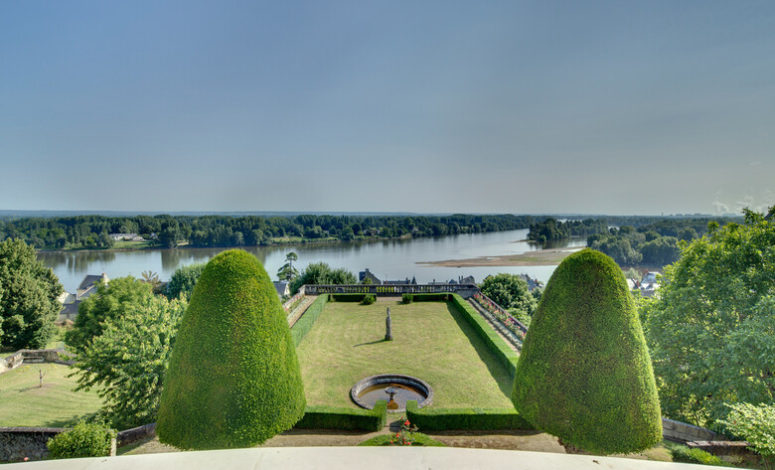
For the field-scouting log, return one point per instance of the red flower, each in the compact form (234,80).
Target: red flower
(407,423)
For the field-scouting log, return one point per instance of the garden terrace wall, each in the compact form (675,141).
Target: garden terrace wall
(392,290)
(470,419)
(32,356)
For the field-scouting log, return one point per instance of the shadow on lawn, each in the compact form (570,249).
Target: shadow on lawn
(383,340)
(497,371)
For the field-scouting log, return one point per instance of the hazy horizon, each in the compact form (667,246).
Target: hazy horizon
(611,108)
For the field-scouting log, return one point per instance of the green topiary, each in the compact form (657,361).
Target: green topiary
(368,299)
(233,378)
(584,373)
(84,440)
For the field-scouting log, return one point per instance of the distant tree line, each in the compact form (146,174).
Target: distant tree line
(92,231)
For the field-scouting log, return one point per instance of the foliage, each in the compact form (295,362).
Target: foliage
(510,291)
(321,273)
(412,439)
(233,378)
(28,297)
(470,419)
(681,453)
(755,424)
(287,271)
(84,440)
(584,374)
(304,324)
(550,230)
(510,319)
(711,332)
(368,299)
(110,301)
(126,363)
(331,417)
(407,298)
(505,355)
(347,297)
(183,280)
(152,278)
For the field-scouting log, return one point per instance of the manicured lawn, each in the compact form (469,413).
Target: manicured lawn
(23,403)
(432,341)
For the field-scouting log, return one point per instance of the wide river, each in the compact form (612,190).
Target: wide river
(388,260)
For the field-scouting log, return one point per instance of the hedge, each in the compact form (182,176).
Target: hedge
(233,379)
(347,297)
(505,355)
(310,316)
(331,417)
(444,296)
(471,419)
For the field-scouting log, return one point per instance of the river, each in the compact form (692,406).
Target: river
(388,260)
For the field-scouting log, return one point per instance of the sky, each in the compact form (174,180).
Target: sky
(489,107)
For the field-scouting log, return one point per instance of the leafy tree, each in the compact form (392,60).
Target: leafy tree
(321,273)
(233,378)
(510,291)
(183,280)
(28,297)
(711,331)
(755,424)
(584,373)
(126,363)
(287,271)
(110,301)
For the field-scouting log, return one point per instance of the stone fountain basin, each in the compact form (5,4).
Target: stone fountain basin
(423,392)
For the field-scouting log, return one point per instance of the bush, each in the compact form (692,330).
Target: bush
(347,297)
(368,299)
(407,298)
(330,417)
(755,424)
(304,324)
(682,453)
(507,357)
(84,440)
(233,378)
(585,374)
(436,297)
(471,419)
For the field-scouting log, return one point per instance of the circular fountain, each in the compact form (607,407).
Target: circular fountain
(397,389)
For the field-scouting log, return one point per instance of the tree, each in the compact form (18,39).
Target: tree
(756,425)
(711,331)
(152,278)
(28,297)
(233,378)
(110,301)
(183,281)
(584,373)
(287,272)
(126,363)
(511,292)
(321,273)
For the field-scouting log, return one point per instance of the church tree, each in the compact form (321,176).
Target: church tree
(584,374)
(233,379)
(28,297)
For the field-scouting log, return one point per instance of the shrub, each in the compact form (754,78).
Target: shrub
(507,357)
(417,439)
(347,297)
(755,424)
(471,419)
(436,297)
(233,378)
(585,374)
(368,299)
(84,440)
(407,298)
(682,453)
(330,417)
(304,324)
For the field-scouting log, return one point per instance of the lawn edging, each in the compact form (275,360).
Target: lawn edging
(506,356)
(471,419)
(332,417)
(308,318)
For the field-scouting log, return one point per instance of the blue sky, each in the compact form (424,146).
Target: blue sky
(523,107)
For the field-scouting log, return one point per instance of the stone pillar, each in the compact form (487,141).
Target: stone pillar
(388,327)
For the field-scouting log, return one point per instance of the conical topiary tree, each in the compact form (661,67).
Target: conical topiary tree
(584,374)
(233,378)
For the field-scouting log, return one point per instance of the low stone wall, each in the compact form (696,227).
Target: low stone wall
(684,432)
(32,356)
(135,434)
(16,444)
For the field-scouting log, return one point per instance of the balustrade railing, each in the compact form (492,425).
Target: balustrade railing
(501,314)
(389,289)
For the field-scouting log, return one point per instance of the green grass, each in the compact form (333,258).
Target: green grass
(132,245)
(23,403)
(432,341)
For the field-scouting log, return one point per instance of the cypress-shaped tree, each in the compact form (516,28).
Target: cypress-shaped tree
(233,379)
(584,374)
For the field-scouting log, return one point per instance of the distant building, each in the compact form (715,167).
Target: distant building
(282,287)
(70,302)
(363,275)
(129,237)
(531,283)
(649,284)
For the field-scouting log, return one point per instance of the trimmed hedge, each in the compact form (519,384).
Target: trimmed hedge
(585,374)
(330,417)
(347,297)
(304,324)
(84,440)
(443,297)
(234,378)
(681,453)
(506,356)
(368,299)
(471,419)
(417,439)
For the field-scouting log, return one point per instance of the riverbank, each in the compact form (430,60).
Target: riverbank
(548,257)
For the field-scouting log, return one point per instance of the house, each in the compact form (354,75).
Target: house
(70,302)
(372,279)
(282,287)
(129,237)
(649,284)
(531,283)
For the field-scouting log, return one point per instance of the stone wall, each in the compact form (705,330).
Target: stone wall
(18,443)
(32,356)
(684,432)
